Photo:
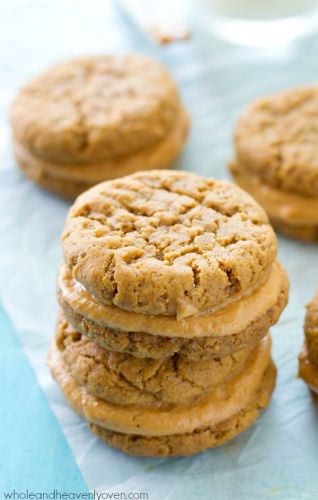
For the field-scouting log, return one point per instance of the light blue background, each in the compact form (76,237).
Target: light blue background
(278,458)
(34,453)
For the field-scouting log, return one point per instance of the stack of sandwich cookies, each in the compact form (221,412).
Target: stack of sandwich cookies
(308,359)
(97,118)
(168,289)
(277,159)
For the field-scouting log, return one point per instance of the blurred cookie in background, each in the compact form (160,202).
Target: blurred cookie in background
(97,118)
(276,159)
(308,358)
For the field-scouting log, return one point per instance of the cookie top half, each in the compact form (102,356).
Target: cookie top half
(168,243)
(95,109)
(276,138)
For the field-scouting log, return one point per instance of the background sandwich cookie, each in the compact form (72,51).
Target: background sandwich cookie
(176,430)
(308,358)
(276,159)
(97,118)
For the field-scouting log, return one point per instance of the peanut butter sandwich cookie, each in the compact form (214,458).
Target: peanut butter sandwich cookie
(175,430)
(276,146)
(97,118)
(308,358)
(169,286)
(199,278)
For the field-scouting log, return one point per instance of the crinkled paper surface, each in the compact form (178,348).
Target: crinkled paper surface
(278,457)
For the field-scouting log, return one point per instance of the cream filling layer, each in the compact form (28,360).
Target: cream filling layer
(158,156)
(290,207)
(227,321)
(227,400)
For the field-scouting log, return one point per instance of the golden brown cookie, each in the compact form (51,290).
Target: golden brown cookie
(124,379)
(97,118)
(277,159)
(238,326)
(168,243)
(159,431)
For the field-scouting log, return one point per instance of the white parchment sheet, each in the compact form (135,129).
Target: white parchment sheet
(278,457)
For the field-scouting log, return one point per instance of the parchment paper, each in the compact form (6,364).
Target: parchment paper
(278,457)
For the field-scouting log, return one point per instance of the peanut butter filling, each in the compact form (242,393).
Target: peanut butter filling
(227,400)
(231,319)
(290,207)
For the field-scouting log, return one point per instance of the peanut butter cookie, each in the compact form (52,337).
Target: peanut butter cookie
(168,243)
(277,159)
(97,118)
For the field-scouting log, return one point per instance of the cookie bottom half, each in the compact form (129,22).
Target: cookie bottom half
(64,188)
(307,233)
(66,183)
(198,441)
